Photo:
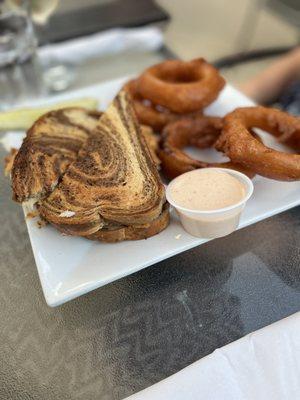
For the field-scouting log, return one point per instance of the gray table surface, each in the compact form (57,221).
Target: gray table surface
(134,332)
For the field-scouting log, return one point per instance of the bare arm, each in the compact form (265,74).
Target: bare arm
(269,84)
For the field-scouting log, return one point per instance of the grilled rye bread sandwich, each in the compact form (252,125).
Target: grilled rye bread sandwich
(51,144)
(65,137)
(112,185)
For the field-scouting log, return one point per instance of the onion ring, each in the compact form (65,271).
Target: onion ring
(181,86)
(147,113)
(237,142)
(202,132)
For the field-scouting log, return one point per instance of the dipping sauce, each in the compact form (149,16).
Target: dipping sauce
(208,189)
(209,201)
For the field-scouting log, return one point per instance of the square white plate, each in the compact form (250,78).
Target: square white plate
(69,267)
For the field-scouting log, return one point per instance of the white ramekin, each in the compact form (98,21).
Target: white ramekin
(212,223)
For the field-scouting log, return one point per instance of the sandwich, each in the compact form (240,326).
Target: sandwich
(92,175)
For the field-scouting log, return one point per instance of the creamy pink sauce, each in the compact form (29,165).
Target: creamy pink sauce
(207,190)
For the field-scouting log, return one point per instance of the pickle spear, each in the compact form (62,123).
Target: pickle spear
(22,118)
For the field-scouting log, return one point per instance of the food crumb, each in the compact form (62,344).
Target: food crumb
(41,223)
(9,160)
(32,214)
(67,214)
(178,236)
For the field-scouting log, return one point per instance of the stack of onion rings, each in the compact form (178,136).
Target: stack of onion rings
(176,89)
(238,143)
(200,131)
(170,97)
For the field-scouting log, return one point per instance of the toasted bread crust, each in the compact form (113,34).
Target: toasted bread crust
(133,232)
(152,141)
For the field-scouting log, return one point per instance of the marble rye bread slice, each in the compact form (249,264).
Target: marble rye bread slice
(113,232)
(113,181)
(51,144)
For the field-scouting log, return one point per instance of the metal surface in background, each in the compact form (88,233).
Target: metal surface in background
(134,332)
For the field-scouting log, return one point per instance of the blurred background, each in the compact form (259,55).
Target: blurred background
(240,36)
(219,28)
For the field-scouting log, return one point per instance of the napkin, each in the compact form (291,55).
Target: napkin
(109,42)
(262,365)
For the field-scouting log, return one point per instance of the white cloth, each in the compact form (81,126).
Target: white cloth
(112,41)
(262,365)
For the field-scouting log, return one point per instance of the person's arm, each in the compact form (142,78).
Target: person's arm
(269,84)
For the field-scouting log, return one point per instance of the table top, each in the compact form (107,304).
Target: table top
(134,332)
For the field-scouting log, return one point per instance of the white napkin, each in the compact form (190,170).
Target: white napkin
(112,41)
(262,365)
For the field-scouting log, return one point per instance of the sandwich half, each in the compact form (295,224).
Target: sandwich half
(112,190)
(113,180)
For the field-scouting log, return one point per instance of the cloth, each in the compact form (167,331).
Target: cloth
(113,41)
(262,365)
